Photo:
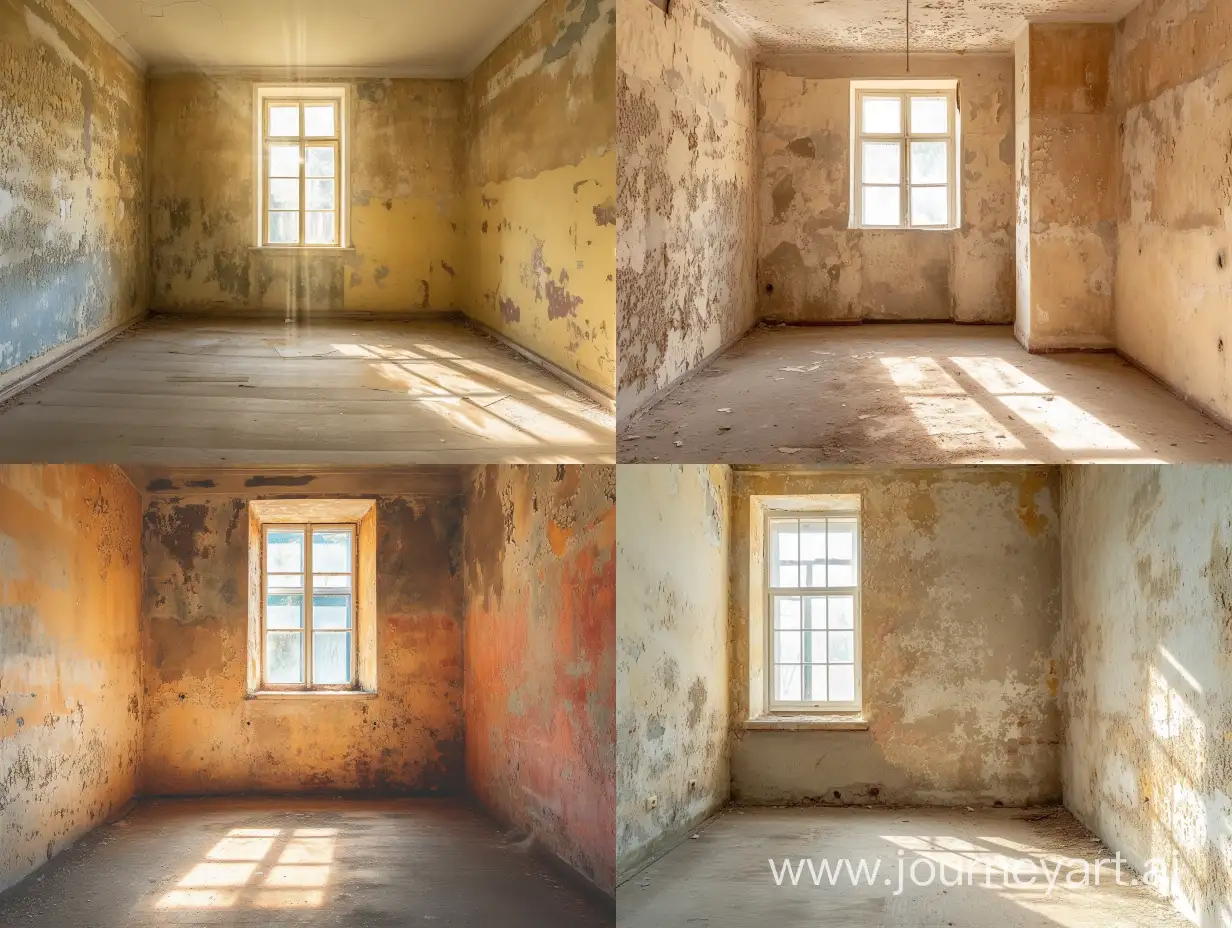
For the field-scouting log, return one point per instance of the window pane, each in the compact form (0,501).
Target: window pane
(284,121)
(787,647)
(331,552)
(319,119)
(331,657)
(331,581)
(284,228)
(930,114)
(815,645)
(284,194)
(817,683)
(321,194)
(319,162)
(284,161)
(787,682)
(930,206)
(284,657)
(284,551)
(320,229)
(842,647)
(883,115)
(814,612)
(784,554)
(331,612)
(284,611)
(786,612)
(842,552)
(842,612)
(842,683)
(882,206)
(930,162)
(284,583)
(882,162)
(812,553)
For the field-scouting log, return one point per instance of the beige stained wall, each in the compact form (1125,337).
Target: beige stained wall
(1147,701)
(813,266)
(1172,78)
(1066,229)
(70,656)
(687,201)
(960,620)
(73,252)
(203,736)
(540,189)
(673,540)
(406,155)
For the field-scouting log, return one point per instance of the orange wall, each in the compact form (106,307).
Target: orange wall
(70,675)
(540,570)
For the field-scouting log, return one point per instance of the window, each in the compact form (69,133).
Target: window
(309,638)
(813,609)
(302,158)
(904,140)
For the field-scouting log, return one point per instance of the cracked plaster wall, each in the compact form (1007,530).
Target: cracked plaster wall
(540,573)
(1147,645)
(813,267)
(72,186)
(960,619)
(671,677)
(70,665)
(687,202)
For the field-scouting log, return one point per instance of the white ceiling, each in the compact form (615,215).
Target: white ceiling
(414,38)
(792,26)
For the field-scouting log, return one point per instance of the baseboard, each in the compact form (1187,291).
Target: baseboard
(1067,345)
(304,315)
(649,402)
(657,850)
(1220,419)
(576,382)
(26,375)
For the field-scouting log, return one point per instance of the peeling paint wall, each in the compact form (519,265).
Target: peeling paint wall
(406,161)
(70,664)
(813,267)
(961,611)
(541,189)
(541,656)
(73,252)
(672,663)
(203,736)
(687,202)
(1066,228)
(1172,75)
(1147,645)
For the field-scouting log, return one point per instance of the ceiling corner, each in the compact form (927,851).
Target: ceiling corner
(109,33)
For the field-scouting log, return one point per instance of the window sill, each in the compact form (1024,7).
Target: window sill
(806,723)
(311,694)
(303,249)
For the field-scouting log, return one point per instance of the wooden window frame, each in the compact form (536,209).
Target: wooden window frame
(779,706)
(904,91)
(309,591)
(301,96)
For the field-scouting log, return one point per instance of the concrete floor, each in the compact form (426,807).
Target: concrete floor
(916,395)
(189,390)
(270,863)
(723,879)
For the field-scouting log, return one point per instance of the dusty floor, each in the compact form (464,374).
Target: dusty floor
(723,879)
(298,862)
(197,391)
(916,394)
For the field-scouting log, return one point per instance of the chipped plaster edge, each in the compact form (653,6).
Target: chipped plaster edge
(110,33)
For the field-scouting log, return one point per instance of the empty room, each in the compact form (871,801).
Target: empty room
(378,231)
(307,697)
(924,698)
(903,232)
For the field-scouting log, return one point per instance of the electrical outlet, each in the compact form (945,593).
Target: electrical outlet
(652,803)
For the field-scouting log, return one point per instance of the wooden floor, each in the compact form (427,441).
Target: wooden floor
(194,391)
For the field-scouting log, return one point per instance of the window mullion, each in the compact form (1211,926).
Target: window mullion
(308,585)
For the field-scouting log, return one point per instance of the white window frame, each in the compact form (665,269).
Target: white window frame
(308,591)
(305,93)
(904,91)
(804,706)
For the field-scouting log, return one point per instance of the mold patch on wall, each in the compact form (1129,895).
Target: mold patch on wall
(541,656)
(73,254)
(70,657)
(686,204)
